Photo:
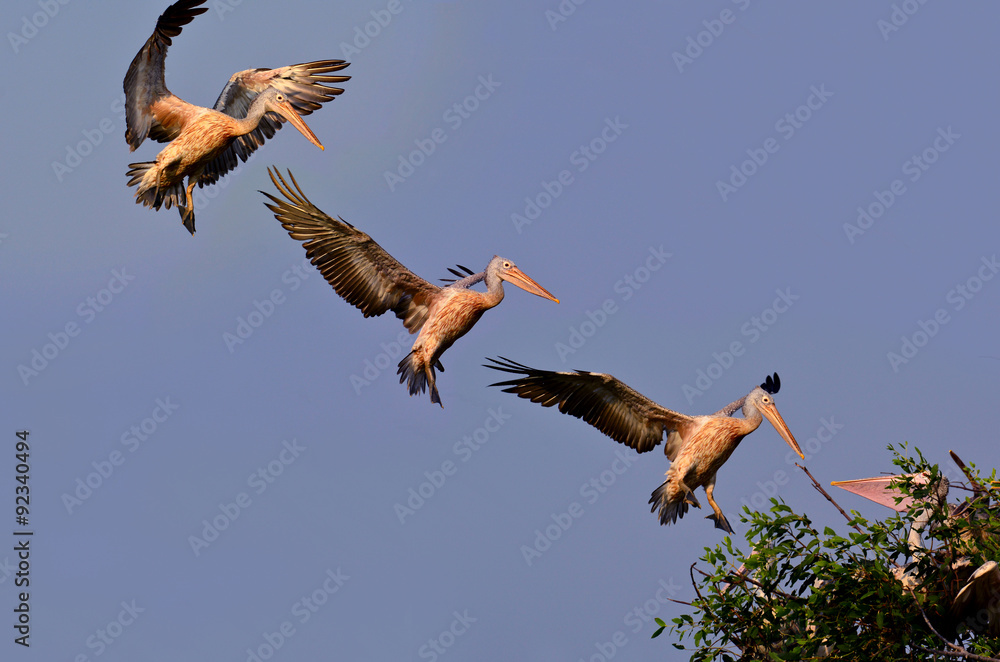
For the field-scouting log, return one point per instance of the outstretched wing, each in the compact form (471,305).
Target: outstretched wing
(150,109)
(606,403)
(978,599)
(358,269)
(306,86)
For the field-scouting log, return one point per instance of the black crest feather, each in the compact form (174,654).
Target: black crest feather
(467,270)
(771,385)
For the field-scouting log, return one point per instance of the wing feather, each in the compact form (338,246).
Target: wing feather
(306,86)
(601,400)
(359,270)
(144,84)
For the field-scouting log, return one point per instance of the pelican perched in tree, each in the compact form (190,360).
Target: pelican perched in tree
(206,143)
(975,605)
(696,445)
(367,277)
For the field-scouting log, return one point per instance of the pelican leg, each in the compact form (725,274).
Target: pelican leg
(432,384)
(187,211)
(720,520)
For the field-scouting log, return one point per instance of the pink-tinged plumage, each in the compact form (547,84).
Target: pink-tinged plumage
(697,446)
(975,605)
(367,277)
(206,143)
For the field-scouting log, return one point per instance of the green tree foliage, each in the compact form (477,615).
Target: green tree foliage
(861,595)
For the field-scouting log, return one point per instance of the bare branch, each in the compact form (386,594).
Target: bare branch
(828,497)
(966,654)
(958,651)
(977,489)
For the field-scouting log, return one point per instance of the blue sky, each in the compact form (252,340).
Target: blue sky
(715,191)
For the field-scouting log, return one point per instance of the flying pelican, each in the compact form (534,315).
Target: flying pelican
(367,277)
(696,445)
(975,604)
(206,143)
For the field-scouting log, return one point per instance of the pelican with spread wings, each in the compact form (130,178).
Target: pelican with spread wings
(367,277)
(697,446)
(206,143)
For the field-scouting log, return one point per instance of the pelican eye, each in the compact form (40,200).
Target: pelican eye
(765,399)
(506,265)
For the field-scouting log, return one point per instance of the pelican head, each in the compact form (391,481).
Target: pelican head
(504,269)
(762,399)
(276,102)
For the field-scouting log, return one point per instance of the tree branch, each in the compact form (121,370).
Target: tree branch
(704,605)
(742,579)
(958,651)
(966,654)
(828,497)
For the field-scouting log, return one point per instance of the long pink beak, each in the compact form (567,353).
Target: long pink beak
(517,277)
(286,110)
(881,489)
(771,412)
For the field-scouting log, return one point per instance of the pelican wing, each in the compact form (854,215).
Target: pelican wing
(150,109)
(306,86)
(977,600)
(360,270)
(608,404)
